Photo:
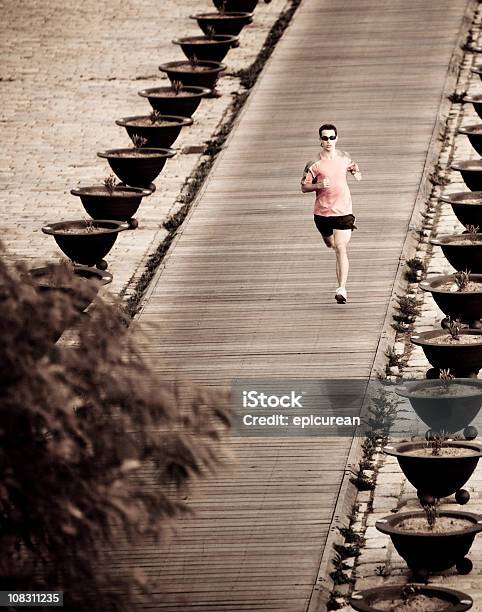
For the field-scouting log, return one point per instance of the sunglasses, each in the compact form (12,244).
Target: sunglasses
(326,138)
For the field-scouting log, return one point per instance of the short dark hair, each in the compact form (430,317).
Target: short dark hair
(328,126)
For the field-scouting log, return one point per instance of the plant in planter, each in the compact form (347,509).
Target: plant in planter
(138,166)
(458,295)
(410,598)
(471,171)
(439,467)
(462,251)
(95,450)
(86,241)
(194,72)
(467,206)
(159,131)
(111,201)
(212,47)
(430,543)
(223,23)
(455,349)
(175,99)
(445,405)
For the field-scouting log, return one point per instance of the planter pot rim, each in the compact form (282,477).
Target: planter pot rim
(102,276)
(473,98)
(197,92)
(409,388)
(446,239)
(214,66)
(471,128)
(226,15)
(465,165)
(477,69)
(115,152)
(109,224)
(204,40)
(361,600)
(388,524)
(451,198)
(423,338)
(176,120)
(430,284)
(402,449)
(81,191)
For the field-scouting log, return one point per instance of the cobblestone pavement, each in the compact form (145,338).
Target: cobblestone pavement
(67,71)
(393,492)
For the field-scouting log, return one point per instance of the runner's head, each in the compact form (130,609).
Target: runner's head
(328,136)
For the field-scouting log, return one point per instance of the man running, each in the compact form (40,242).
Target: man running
(333,206)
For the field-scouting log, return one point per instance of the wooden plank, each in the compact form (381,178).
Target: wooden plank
(247,290)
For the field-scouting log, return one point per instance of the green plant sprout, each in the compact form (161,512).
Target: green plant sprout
(177,87)
(89,225)
(193,60)
(472,231)
(462,279)
(139,141)
(453,327)
(155,116)
(110,183)
(431,515)
(210,32)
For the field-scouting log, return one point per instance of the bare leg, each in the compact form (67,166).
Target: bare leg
(341,240)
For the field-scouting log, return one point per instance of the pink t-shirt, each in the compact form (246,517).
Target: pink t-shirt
(335,200)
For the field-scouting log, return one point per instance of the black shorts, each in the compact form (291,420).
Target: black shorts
(326,225)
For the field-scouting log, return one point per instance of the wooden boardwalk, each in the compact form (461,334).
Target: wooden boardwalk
(247,290)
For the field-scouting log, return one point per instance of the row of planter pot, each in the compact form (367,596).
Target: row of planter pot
(113,206)
(431,540)
(459,296)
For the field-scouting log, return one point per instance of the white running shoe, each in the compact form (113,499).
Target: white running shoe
(340,295)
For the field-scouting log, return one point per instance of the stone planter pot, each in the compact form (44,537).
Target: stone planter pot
(464,360)
(467,206)
(83,295)
(377,599)
(477,69)
(461,252)
(236,5)
(474,134)
(463,305)
(228,23)
(83,246)
(158,135)
(183,71)
(120,204)
(437,475)
(445,412)
(476,101)
(184,104)
(137,167)
(471,171)
(432,552)
(212,49)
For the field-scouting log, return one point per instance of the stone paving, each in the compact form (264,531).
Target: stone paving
(379,563)
(67,71)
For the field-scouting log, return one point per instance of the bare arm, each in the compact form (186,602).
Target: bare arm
(310,184)
(354,170)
